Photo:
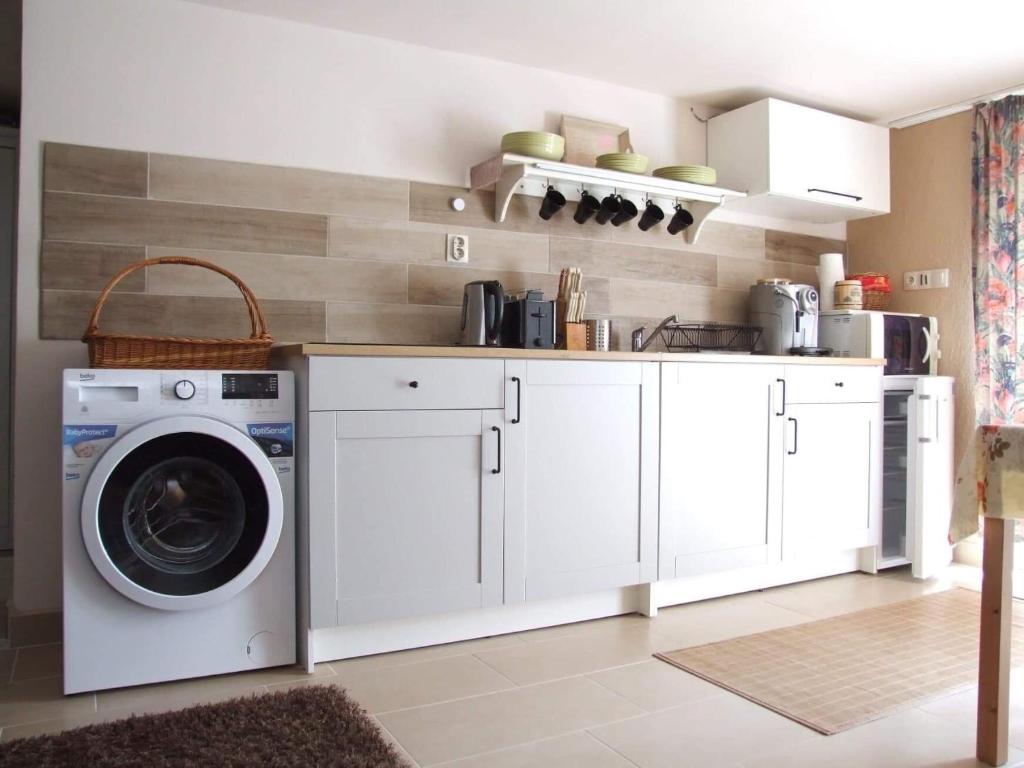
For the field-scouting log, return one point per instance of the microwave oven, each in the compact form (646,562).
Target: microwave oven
(909,343)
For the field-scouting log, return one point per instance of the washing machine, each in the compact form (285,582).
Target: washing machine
(179,524)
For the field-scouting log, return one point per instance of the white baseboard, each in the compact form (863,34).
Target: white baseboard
(331,643)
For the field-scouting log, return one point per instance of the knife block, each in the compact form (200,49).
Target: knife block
(574,336)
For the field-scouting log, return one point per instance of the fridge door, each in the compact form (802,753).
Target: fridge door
(930,486)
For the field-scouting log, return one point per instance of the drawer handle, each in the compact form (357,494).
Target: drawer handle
(519,402)
(858,198)
(796,427)
(498,470)
(839,383)
(783,411)
(414,384)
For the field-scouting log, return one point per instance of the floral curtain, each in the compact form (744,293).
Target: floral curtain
(997,169)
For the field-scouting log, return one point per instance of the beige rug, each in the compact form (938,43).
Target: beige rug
(837,673)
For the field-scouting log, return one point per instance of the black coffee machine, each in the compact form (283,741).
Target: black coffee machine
(528,321)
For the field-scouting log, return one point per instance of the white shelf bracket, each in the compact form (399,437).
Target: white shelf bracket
(701,212)
(511,176)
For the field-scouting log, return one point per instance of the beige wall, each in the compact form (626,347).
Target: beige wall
(339,257)
(929,228)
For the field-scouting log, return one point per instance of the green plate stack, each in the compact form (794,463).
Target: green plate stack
(546,146)
(627,162)
(695,174)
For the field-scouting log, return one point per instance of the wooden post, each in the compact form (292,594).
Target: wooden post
(994,648)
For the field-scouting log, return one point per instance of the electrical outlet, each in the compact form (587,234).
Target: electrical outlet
(926,278)
(458,249)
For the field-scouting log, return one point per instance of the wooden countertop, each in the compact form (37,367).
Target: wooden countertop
(510,353)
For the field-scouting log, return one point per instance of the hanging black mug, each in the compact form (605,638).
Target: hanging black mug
(610,206)
(626,212)
(586,208)
(652,215)
(551,204)
(680,221)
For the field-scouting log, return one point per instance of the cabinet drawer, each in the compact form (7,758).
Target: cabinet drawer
(833,384)
(404,383)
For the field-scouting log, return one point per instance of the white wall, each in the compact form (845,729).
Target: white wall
(176,77)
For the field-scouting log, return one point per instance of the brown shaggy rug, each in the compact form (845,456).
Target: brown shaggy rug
(316,725)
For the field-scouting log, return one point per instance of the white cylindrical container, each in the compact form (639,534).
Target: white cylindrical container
(830,272)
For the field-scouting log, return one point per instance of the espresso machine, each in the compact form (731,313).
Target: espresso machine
(787,313)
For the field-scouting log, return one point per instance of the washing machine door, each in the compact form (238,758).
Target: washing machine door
(182,513)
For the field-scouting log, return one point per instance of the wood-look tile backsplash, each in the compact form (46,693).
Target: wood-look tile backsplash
(338,257)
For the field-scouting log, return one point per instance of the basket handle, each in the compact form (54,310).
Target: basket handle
(257,322)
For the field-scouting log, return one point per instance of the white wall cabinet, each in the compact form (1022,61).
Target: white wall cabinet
(411,507)
(581,490)
(800,163)
(720,467)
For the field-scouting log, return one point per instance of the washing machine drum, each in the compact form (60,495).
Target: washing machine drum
(182,513)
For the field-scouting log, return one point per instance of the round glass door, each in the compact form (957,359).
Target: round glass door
(182,518)
(182,514)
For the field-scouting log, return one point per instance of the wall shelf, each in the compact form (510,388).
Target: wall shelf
(510,174)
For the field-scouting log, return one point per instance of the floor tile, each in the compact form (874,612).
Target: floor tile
(962,708)
(394,742)
(201,690)
(596,626)
(481,724)
(713,732)
(575,655)
(911,739)
(398,658)
(428,682)
(42,699)
(823,598)
(710,621)
(574,750)
(53,725)
(655,685)
(38,661)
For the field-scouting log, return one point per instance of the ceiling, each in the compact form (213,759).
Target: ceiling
(876,60)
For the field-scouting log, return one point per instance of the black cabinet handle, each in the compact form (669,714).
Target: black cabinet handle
(839,383)
(783,411)
(498,470)
(858,198)
(414,384)
(519,402)
(796,427)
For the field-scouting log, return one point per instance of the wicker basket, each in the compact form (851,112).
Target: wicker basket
(876,289)
(117,350)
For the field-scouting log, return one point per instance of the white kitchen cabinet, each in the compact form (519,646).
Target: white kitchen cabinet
(582,483)
(406,513)
(930,497)
(831,470)
(800,163)
(721,467)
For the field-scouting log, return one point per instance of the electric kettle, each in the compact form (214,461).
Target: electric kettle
(482,305)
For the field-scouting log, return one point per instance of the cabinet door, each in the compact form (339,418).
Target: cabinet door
(418,501)
(720,466)
(828,158)
(582,484)
(831,472)
(930,473)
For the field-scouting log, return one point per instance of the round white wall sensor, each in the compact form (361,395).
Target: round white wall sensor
(458,204)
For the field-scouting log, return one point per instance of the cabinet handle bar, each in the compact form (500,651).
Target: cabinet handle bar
(858,198)
(498,470)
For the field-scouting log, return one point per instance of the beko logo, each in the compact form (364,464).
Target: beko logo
(87,377)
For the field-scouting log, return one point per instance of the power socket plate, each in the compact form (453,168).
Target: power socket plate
(458,249)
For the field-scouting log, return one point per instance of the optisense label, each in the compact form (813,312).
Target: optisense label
(276,440)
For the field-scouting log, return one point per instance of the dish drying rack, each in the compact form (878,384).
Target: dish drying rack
(710,337)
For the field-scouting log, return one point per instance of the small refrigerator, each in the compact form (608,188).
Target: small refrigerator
(917,474)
